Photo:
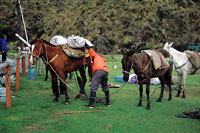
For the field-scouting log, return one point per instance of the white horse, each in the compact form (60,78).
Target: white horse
(182,65)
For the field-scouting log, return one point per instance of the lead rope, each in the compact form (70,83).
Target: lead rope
(75,90)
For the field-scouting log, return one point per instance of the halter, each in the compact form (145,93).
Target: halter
(130,68)
(37,56)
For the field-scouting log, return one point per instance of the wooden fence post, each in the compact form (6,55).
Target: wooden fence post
(28,56)
(7,85)
(17,73)
(24,65)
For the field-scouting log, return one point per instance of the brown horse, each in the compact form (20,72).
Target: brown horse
(59,64)
(144,69)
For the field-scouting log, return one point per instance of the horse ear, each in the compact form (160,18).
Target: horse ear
(171,44)
(122,50)
(132,50)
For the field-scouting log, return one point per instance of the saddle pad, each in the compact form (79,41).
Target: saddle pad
(159,62)
(194,58)
(74,53)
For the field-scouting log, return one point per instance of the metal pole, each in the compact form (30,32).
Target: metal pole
(23,20)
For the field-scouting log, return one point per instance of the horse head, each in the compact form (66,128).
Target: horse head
(127,63)
(36,50)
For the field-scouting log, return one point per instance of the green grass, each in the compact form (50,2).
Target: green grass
(33,111)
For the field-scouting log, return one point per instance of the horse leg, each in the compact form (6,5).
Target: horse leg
(82,83)
(46,78)
(162,89)
(55,86)
(179,85)
(63,87)
(147,92)
(168,77)
(141,91)
(90,72)
(184,83)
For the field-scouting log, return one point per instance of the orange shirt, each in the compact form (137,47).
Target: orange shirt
(98,63)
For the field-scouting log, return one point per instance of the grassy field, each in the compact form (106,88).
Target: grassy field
(33,111)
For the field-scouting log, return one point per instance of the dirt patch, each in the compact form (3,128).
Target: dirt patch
(107,126)
(35,128)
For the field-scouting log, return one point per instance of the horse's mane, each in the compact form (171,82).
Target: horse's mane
(46,42)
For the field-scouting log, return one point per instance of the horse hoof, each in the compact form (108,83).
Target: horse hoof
(66,103)
(158,100)
(183,96)
(139,105)
(148,108)
(55,101)
(169,99)
(177,95)
(78,96)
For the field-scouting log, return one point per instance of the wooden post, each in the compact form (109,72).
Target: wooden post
(17,73)
(28,56)
(24,65)
(7,85)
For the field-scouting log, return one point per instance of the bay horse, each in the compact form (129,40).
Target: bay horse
(182,65)
(60,63)
(143,67)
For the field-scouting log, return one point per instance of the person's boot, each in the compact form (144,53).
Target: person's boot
(107,98)
(91,102)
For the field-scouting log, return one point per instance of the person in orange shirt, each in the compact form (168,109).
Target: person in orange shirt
(100,76)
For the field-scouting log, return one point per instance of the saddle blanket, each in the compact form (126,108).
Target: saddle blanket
(194,58)
(159,62)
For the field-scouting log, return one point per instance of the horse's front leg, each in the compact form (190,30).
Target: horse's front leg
(141,91)
(179,85)
(184,83)
(55,87)
(83,82)
(147,92)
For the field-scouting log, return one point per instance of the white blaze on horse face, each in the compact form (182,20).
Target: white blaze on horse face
(31,58)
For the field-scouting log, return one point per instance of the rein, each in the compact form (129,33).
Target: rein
(180,66)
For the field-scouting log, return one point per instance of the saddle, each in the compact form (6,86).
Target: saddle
(75,52)
(159,62)
(194,58)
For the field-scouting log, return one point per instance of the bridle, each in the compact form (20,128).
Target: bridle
(37,56)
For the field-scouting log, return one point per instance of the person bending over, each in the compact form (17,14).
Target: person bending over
(100,76)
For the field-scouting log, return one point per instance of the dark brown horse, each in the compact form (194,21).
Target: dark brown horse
(144,69)
(59,64)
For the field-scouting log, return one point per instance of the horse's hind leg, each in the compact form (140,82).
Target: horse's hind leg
(141,91)
(83,82)
(162,90)
(55,87)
